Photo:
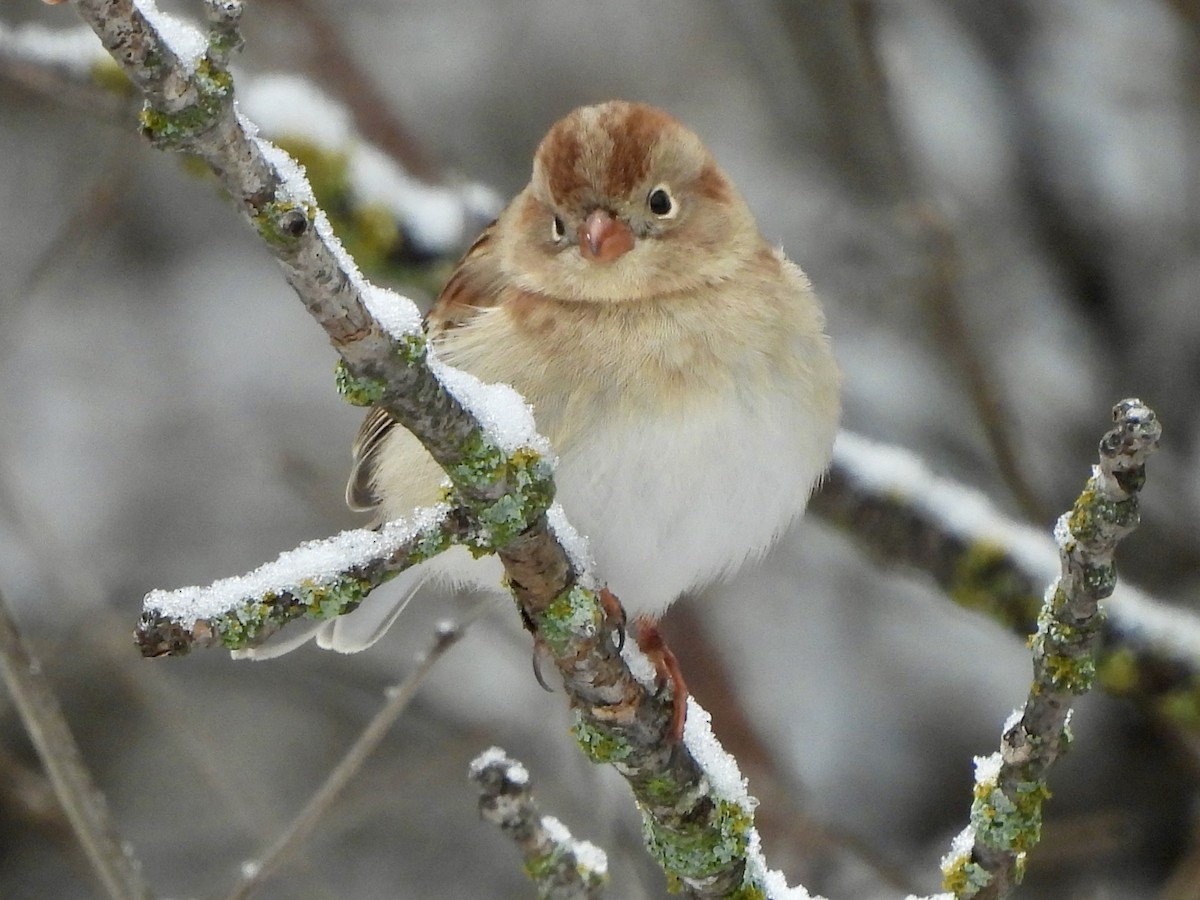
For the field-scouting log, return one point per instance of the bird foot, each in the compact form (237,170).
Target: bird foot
(666,667)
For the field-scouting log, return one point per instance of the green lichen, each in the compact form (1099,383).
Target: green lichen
(1063,652)
(1009,821)
(1182,706)
(1118,672)
(660,791)
(963,877)
(525,477)
(572,615)
(602,745)
(687,848)
(545,869)
(357,391)
(1094,515)
(173,130)
(986,580)
(256,620)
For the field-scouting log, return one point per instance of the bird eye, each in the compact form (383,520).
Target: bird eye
(559,229)
(661,203)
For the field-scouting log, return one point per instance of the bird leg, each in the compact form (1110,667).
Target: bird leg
(666,666)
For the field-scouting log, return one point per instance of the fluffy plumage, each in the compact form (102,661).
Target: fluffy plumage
(676,361)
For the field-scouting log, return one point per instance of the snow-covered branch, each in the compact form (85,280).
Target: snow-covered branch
(887,501)
(562,867)
(317,580)
(499,468)
(988,858)
(391,221)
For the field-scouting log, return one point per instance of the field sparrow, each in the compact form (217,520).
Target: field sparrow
(676,361)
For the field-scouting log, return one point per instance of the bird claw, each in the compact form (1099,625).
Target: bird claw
(539,651)
(614,617)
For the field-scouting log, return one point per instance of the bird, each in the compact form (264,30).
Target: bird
(677,362)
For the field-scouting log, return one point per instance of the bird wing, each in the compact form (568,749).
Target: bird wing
(476,284)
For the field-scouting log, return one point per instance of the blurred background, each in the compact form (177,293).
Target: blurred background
(999,203)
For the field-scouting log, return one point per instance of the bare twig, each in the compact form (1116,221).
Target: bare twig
(988,858)
(110,856)
(256,872)
(561,867)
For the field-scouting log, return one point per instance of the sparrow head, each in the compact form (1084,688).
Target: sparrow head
(625,204)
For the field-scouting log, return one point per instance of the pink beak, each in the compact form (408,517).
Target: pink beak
(603,238)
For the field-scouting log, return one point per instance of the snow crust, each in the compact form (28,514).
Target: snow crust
(314,562)
(397,315)
(576,545)
(586,853)
(186,41)
(502,412)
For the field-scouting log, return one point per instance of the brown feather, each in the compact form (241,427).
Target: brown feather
(474,285)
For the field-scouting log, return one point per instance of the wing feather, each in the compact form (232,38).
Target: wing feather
(475,284)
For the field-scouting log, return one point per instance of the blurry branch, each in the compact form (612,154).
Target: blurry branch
(397,221)
(699,824)
(886,501)
(334,64)
(81,800)
(255,872)
(988,858)
(826,48)
(561,867)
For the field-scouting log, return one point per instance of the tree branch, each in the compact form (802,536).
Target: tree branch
(256,872)
(82,801)
(988,859)
(562,867)
(888,502)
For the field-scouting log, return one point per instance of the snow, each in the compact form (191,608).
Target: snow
(434,215)
(895,471)
(576,545)
(284,105)
(1013,718)
(77,49)
(184,39)
(720,768)
(397,316)
(587,854)
(503,413)
(960,848)
(514,771)
(314,562)
(987,770)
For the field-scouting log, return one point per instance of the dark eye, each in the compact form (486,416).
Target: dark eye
(660,201)
(559,229)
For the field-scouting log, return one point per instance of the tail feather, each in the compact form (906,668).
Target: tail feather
(352,632)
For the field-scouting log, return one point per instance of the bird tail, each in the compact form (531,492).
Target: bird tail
(353,631)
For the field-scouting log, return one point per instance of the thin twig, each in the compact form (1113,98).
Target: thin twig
(562,867)
(81,800)
(256,872)
(987,861)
